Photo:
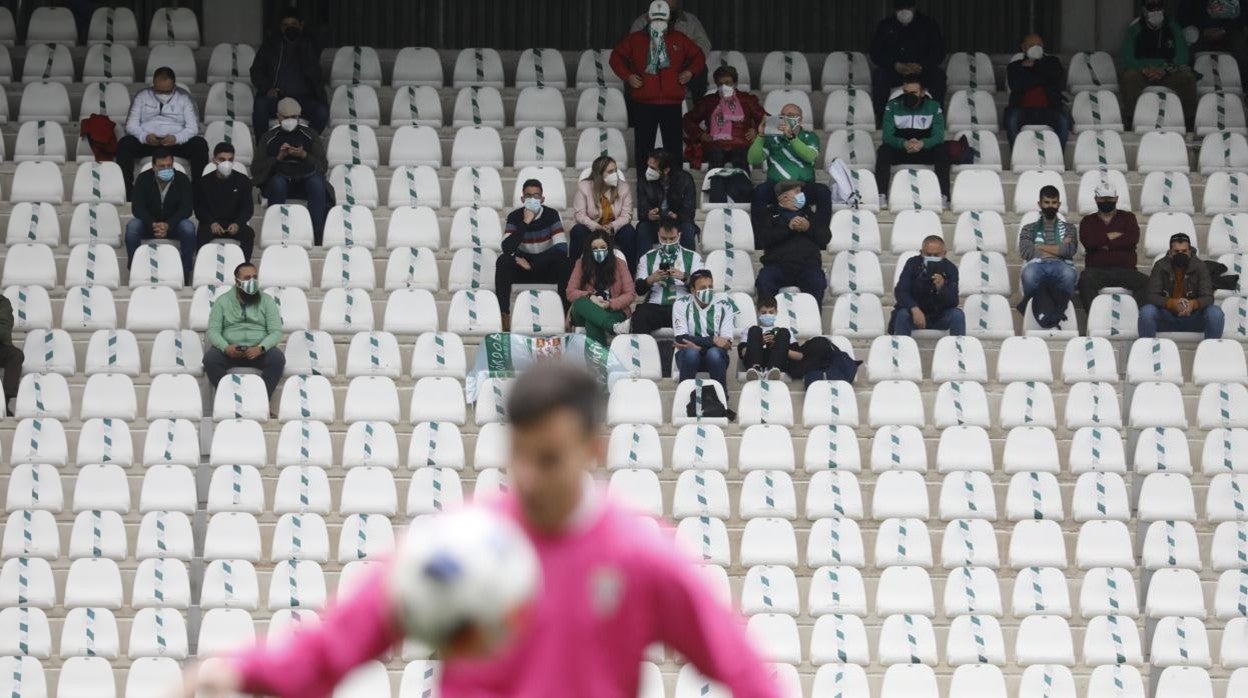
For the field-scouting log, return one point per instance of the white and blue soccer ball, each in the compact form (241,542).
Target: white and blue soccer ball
(463,582)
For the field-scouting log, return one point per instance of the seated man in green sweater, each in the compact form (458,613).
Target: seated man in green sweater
(244,329)
(914,134)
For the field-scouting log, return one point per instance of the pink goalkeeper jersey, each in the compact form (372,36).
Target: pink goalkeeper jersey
(612,585)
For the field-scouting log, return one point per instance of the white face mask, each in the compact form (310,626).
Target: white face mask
(1036,52)
(611,179)
(225,167)
(1155,18)
(289,124)
(658,26)
(905,16)
(653,175)
(727,91)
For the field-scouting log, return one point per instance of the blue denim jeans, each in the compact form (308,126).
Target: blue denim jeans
(1154,319)
(183,232)
(952,320)
(1053,271)
(712,360)
(1018,117)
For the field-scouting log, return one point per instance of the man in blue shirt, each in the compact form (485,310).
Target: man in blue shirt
(927,293)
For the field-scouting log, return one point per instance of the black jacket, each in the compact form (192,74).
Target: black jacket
(786,247)
(918,42)
(276,49)
(682,196)
(1046,72)
(223,200)
(146,204)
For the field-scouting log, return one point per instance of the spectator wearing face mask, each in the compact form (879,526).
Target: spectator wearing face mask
(288,64)
(764,348)
(161,206)
(688,24)
(223,204)
(789,154)
(290,162)
(792,229)
(661,279)
(604,204)
(244,329)
(600,290)
(927,293)
(655,64)
(667,193)
(704,330)
(163,117)
(1180,294)
(914,134)
(1216,25)
(1155,54)
(723,124)
(535,249)
(907,44)
(1109,239)
(1036,82)
(1048,246)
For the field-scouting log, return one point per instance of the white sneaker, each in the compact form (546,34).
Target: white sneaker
(774,374)
(622,327)
(752,374)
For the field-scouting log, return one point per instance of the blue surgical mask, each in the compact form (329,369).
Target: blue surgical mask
(931,258)
(533,204)
(767,320)
(600,256)
(799,200)
(164,174)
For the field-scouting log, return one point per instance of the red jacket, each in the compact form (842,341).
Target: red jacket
(629,57)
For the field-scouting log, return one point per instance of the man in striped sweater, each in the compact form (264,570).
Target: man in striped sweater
(704,330)
(535,249)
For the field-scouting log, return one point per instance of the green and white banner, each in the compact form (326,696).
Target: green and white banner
(506,355)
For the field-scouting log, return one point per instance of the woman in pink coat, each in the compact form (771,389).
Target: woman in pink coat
(601,289)
(604,203)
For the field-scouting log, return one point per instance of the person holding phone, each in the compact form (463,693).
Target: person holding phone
(666,193)
(661,279)
(790,151)
(1180,294)
(599,289)
(927,293)
(704,327)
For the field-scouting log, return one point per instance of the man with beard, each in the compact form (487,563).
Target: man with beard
(288,64)
(244,329)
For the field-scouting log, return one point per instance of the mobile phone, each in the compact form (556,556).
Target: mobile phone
(665,266)
(933,267)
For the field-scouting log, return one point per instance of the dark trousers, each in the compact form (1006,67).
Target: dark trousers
(648,237)
(130,149)
(755,353)
(698,84)
(649,119)
(11,359)
(649,318)
(886,156)
(625,241)
(808,278)
(313,188)
(1018,117)
(1234,42)
(183,232)
(271,363)
(1093,279)
(884,79)
(264,109)
(549,267)
(245,236)
(719,157)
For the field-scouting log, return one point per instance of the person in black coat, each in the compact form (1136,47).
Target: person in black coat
(1216,25)
(907,43)
(161,204)
(288,64)
(666,192)
(1036,81)
(223,204)
(791,223)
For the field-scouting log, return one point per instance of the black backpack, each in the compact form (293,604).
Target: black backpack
(712,408)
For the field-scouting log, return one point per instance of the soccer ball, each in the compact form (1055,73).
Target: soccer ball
(464,581)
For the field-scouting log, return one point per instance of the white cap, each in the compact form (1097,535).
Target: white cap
(1105,190)
(659,10)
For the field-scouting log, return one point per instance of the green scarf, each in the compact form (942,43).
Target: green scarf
(657,58)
